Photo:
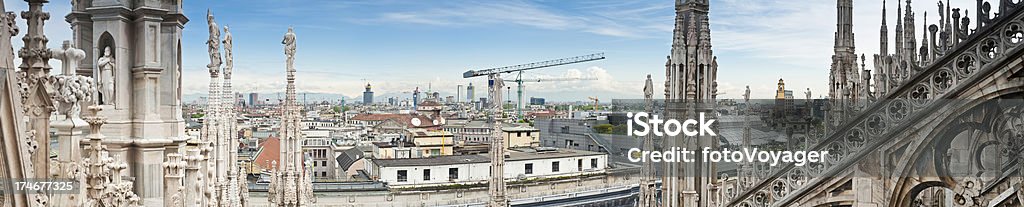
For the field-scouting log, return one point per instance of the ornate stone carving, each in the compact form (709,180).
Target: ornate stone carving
(30,142)
(71,92)
(103,173)
(967,192)
(69,56)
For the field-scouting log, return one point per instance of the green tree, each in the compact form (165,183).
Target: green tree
(604,128)
(619,129)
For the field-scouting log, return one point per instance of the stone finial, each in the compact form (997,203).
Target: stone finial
(174,166)
(95,122)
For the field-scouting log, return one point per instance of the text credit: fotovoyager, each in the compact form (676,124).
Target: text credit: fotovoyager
(648,124)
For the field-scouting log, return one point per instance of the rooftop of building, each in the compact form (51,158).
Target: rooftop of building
(269,151)
(519,128)
(406,119)
(515,154)
(428,133)
(393,144)
(349,157)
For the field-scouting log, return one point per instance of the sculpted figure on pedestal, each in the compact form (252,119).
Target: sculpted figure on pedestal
(107,65)
(289,47)
(228,57)
(213,42)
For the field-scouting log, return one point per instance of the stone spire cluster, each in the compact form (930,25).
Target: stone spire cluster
(690,88)
(845,84)
(890,70)
(219,134)
(852,88)
(291,183)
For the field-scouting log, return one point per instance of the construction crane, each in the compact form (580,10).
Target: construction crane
(519,81)
(535,65)
(495,73)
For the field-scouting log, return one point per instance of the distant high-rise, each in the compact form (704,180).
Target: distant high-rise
(415,98)
(536,101)
(368,95)
(469,93)
(254,99)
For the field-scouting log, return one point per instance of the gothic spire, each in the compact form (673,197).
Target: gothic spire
(883,34)
(844,27)
(899,28)
(909,35)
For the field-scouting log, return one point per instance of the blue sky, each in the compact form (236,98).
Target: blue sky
(399,45)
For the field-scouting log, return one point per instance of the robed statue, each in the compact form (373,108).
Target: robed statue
(746,95)
(107,65)
(214,43)
(648,88)
(228,57)
(289,47)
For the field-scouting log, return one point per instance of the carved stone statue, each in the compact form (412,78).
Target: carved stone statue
(746,95)
(228,57)
(214,43)
(107,65)
(648,88)
(289,47)
(808,94)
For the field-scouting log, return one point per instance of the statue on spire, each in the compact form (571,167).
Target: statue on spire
(214,43)
(289,47)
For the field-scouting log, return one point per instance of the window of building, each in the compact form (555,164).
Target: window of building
(314,164)
(323,163)
(554,166)
(323,174)
(529,168)
(579,165)
(593,163)
(453,173)
(519,134)
(426,174)
(403,176)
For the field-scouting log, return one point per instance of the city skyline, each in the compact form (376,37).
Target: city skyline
(400,45)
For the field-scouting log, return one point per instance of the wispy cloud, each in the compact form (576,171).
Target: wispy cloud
(617,20)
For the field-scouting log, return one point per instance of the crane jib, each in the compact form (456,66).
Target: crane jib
(535,65)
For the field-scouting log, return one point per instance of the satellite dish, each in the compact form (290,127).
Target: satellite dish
(416,121)
(436,122)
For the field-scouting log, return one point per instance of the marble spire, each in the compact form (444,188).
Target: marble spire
(293,186)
